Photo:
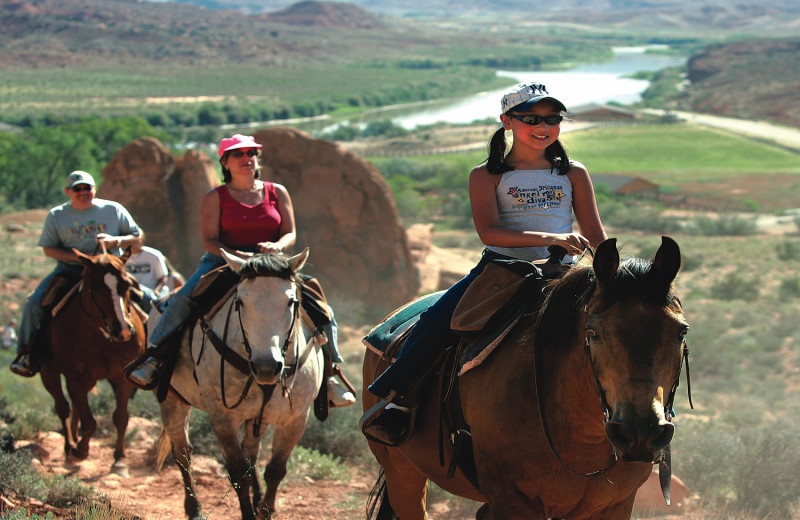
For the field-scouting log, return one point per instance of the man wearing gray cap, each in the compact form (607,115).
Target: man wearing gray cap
(84,223)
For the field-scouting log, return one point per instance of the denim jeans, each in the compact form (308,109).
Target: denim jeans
(428,337)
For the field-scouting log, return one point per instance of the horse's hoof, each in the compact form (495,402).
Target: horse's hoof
(121,469)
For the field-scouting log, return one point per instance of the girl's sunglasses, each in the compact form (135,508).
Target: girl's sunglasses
(239,153)
(537,120)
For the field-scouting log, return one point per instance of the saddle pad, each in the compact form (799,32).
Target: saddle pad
(383,335)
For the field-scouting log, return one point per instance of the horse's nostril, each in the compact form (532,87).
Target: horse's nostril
(664,436)
(278,368)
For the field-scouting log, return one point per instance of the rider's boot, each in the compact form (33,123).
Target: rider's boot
(340,391)
(175,314)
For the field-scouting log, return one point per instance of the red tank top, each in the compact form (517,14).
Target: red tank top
(241,225)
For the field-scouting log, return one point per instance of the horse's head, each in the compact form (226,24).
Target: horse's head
(267,302)
(105,292)
(635,341)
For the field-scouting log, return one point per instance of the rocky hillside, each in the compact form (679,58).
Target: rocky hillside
(755,79)
(57,33)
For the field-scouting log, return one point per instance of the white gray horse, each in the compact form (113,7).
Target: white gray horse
(252,363)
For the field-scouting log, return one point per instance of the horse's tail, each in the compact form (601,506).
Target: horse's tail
(163,449)
(379,498)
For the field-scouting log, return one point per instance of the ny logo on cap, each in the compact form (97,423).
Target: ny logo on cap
(536,89)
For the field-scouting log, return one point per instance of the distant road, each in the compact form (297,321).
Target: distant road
(783,135)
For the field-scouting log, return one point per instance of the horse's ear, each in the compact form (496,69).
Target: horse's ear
(667,261)
(234,261)
(606,261)
(298,261)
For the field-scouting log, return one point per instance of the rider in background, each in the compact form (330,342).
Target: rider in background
(244,216)
(84,223)
(149,267)
(523,201)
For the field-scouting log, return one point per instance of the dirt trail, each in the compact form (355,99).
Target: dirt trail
(159,495)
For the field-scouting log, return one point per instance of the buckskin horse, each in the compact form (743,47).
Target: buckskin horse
(250,363)
(568,414)
(95,333)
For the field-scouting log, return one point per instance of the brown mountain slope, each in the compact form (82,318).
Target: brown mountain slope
(754,79)
(326,14)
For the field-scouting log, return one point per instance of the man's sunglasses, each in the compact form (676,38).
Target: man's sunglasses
(82,187)
(537,120)
(239,153)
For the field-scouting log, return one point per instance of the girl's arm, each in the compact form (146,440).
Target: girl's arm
(584,205)
(486,217)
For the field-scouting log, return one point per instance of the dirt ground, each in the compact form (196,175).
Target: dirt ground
(159,495)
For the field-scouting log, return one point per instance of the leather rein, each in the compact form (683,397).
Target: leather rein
(664,457)
(233,358)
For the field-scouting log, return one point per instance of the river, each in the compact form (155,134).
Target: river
(581,85)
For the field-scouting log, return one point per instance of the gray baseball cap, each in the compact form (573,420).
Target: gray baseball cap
(79,177)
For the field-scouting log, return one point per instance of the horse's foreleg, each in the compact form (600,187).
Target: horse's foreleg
(250,447)
(285,439)
(52,383)
(122,393)
(406,486)
(240,472)
(175,417)
(78,392)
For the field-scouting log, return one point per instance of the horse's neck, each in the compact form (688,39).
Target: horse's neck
(570,384)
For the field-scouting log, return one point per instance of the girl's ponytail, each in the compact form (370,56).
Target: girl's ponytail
(557,156)
(496,162)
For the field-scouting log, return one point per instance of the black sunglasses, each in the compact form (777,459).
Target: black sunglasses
(82,187)
(239,153)
(537,120)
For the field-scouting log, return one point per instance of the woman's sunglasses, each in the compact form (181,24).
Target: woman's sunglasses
(83,187)
(239,153)
(537,120)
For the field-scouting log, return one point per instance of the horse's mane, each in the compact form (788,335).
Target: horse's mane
(567,296)
(267,265)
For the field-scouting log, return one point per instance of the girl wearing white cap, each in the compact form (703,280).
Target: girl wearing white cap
(523,201)
(245,215)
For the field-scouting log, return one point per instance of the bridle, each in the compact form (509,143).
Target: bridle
(664,457)
(230,356)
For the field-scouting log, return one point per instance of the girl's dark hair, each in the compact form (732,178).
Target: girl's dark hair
(226,173)
(497,165)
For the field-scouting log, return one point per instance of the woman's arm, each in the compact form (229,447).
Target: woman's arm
(486,217)
(209,223)
(584,205)
(287,234)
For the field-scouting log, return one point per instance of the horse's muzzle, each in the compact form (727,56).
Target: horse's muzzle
(266,373)
(639,440)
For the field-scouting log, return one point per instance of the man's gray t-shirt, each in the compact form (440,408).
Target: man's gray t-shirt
(69,228)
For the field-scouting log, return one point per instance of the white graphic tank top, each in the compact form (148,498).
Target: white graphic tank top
(533,200)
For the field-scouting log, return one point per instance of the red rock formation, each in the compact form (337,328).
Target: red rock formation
(346,214)
(344,209)
(163,196)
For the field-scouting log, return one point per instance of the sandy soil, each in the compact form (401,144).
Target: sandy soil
(159,495)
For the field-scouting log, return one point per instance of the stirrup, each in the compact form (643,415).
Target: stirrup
(22,366)
(145,376)
(373,430)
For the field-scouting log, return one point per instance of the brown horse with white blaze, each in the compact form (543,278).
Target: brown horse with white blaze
(93,337)
(568,414)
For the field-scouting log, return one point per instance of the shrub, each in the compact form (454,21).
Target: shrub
(734,287)
(724,225)
(789,250)
(789,289)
